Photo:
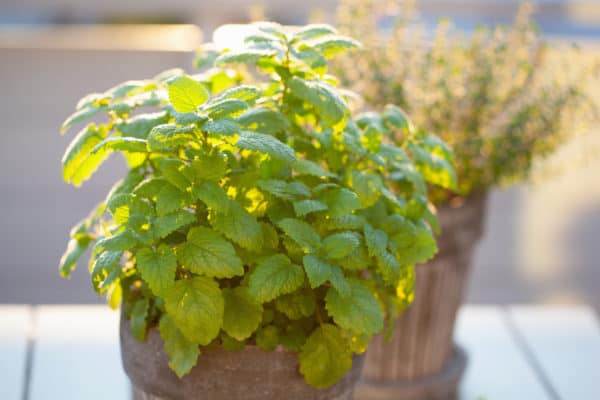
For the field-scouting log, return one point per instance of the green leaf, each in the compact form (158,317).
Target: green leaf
(376,240)
(307,167)
(167,224)
(126,144)
(367,187)
(396,118)
(389,267)
(414,245)
(106,270)
(267,144)
(75,249)
(267,338)
(303,207)
(78,162)
(317,270)
(339,245)
(332,45)
(297,305)
(325,357)
(119,242)
(340,201)
(212,167)
(221,108)
(139,313)
(187,94)
(225,127)
(167,136)
(242,315)
(323,97)
(208,253)
(262,119)
(434,168)
(245,56)
(169,199)
(246,93)
(238,225)
(313,31)
(174,171)
(283,189)
(359,312)
(183,353)
(339,282)
(157,267)
(213,195)
(301,233)
(141,125)
(274,276)
(80,116)
(197,307)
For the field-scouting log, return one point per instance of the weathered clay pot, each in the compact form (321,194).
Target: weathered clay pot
(250,374)
(421,361)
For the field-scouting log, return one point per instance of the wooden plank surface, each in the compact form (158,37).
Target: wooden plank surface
(497,368)
(15,324)
(76,355)
(565,342)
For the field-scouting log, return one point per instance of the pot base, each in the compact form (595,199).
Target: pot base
(440,386)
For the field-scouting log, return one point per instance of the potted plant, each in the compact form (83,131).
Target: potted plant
(254,245)
(501,100)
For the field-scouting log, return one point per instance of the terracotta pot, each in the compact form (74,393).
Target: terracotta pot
(421,361)
(250,374)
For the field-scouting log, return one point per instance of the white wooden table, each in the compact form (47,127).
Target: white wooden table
(520,352)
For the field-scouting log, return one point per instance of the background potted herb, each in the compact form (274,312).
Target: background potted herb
(501,100)
(254,218)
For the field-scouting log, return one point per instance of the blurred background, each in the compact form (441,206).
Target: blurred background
(542,239)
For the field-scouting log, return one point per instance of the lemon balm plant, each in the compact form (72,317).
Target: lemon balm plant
(256,211)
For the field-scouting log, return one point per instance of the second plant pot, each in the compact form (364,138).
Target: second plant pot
(250,374)
(421,361)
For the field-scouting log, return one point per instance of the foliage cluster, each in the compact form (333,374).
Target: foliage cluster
(256,210)
(501,98)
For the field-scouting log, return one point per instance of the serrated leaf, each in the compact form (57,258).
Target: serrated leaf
(284,190)
(303,207)
(376,240)
(126,144)
(212,167)
(332,45)
(80,116)
(238,225)
(274,276)
(157,267)
(339,281)
(359,312)
(208,253)
(242,315)
(434,168)
(141,125)
(323,97)
(106,269)
(119,242)
(297,305)
(169,199)
(389,267)
(262,119)
(75,249)
(267,338)
(246,93)
(196,306)
(245,56)
(414,246)
(221,108)
(317,270)
(325,357)
(302,233)
(267,144)
(367,187)
(340,201)
(225,127)
(186,94)
(139,313)
(307,167)
(167,136)
(174,171)
(339,245)
(78,161)
(183,353)
(167,224)
(313,31)
(213,195)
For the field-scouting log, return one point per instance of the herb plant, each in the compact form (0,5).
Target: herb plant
(255,213)
(500,98)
